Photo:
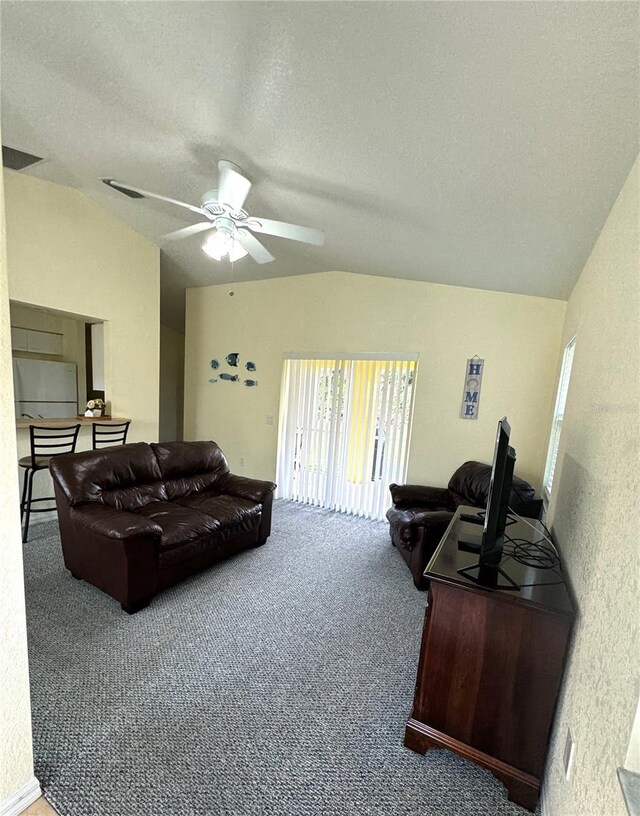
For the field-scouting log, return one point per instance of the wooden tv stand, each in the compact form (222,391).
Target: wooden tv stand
(491,663)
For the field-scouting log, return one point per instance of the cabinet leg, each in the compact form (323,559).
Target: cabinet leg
(522,788)
(414,740)
(132,608)
(524,795)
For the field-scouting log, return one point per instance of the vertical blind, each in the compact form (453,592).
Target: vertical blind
(558,416)
(344,431)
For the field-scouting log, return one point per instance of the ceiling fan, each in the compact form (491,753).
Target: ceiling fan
(233,227)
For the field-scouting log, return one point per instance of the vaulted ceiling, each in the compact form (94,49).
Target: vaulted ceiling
(475,144)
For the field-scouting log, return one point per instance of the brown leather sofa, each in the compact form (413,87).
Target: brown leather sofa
(137,518)
(420,515)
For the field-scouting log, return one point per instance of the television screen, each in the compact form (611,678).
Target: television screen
(488,568)
(495,520)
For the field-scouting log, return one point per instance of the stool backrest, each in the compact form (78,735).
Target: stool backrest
(47,441)
(112,434)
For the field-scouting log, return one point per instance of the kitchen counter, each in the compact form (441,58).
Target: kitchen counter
(24,422)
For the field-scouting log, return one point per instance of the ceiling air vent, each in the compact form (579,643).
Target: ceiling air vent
(17,159)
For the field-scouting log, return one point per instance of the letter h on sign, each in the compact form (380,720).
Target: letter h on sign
(471,391)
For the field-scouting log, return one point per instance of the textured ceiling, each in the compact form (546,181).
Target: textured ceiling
(476,144)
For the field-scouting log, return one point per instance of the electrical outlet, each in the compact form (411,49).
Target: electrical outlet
(269,419)
(242,461)
(569,751)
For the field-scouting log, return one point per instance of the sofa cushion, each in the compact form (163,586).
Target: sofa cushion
(230,511)
(470,485)
(189,467)
(179,524)
(125,477)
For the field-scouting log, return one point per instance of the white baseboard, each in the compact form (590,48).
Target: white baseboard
(21,800)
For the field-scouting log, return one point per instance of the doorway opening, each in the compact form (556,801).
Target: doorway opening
(345,429)
(58,361)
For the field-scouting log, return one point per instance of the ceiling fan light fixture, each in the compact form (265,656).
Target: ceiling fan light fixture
(237,251)
(221,243)
(217,245)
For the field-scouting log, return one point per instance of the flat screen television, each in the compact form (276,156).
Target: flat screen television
(488,568)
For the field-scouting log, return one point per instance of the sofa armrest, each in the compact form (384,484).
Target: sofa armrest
(408,528)
(111,523)
(113,550)
(415,495)
(433,520)
(252,489)
(529,508)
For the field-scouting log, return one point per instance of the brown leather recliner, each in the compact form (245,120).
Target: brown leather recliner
(137,518)
(420,515)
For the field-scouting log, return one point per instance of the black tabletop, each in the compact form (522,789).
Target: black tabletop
(545,588)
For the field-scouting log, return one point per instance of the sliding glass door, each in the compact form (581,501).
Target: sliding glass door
(345,427)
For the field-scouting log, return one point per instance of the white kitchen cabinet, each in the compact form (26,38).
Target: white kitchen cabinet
(38,342)
(18,339)
(42,342)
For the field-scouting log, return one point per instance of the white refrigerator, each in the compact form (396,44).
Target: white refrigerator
(44,389)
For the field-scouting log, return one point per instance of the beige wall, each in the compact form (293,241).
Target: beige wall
(16,760)
(594,512)
(67,253)
(171,384)
(518,336)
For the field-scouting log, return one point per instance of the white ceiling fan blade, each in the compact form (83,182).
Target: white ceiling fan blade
(249,241)
(136,192)
(307,235)
(233,187)
(185,232)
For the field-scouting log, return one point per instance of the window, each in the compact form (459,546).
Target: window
(345,426)
(558,417)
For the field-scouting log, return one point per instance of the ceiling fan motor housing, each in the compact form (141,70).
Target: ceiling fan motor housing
(211,205)
(225,225)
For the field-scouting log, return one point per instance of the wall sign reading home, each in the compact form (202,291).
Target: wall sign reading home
(471,392)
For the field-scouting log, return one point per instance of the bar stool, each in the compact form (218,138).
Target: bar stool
(113,434)
(56,442)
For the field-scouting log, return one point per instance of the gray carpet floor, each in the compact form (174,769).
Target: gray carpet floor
(276,683)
